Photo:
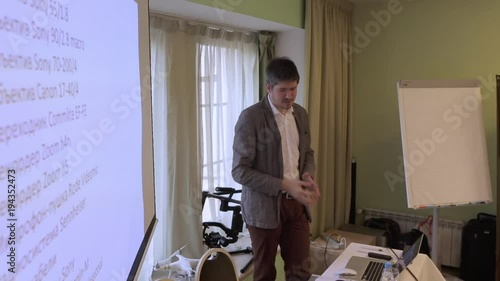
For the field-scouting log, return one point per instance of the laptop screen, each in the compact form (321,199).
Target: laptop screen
(412,251)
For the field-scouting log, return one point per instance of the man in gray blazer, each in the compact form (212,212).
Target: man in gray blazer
(274,163)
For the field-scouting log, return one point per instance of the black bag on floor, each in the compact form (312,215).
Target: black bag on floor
(478,249)
(410,237)
(392,230)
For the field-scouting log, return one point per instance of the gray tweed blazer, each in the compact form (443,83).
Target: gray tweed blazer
(258,162)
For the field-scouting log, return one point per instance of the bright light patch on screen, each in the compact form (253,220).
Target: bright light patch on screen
(71,203)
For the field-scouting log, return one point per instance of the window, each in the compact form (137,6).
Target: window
(202,79)
(227,83)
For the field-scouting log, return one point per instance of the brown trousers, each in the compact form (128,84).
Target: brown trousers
(292,235)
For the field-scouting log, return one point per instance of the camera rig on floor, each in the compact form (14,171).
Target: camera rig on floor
(215,239)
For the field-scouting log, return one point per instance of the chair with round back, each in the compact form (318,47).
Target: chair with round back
(216,264)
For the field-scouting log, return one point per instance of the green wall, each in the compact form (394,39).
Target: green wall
(289,12)
(439,39)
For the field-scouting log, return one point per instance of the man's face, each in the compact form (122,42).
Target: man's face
(283,94)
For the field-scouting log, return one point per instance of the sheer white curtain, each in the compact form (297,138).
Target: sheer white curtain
(176,142)
(202,78)
(227,83)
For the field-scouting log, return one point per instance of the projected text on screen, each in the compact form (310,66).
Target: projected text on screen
(71,202)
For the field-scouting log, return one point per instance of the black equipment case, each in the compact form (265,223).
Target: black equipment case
(478,249)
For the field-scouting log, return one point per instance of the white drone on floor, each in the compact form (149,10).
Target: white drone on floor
(184,267)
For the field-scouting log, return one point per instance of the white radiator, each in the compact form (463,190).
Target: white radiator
(450,233)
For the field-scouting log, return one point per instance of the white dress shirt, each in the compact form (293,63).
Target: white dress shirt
(289,142)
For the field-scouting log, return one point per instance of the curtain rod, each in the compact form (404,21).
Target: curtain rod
(209,24)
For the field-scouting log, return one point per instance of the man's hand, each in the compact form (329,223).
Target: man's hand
(313,188)
(306,192)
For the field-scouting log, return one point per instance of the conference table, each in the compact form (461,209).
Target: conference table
(422,266)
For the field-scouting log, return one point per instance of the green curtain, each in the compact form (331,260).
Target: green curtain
(328,68)
(267,40)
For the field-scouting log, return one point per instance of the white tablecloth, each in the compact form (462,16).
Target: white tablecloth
(422,266)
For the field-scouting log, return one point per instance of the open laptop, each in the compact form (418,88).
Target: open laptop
(370,269)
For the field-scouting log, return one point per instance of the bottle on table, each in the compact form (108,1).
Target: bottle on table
(389,273)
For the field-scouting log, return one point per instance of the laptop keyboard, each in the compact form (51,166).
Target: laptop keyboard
(373,271)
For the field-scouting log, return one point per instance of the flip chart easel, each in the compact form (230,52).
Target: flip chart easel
(444,146)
